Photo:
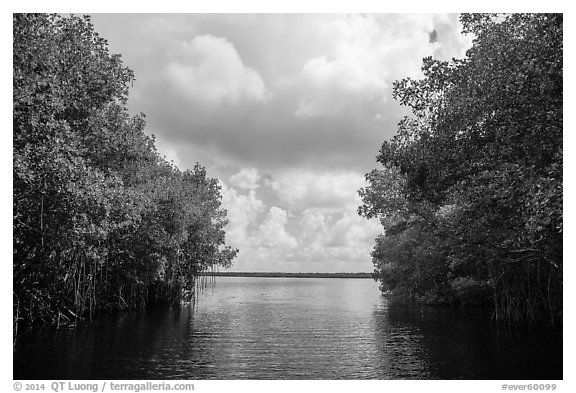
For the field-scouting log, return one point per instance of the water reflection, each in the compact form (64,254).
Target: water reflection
(464,344)
(271,328)
(399,345)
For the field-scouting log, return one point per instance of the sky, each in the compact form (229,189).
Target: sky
(288,111)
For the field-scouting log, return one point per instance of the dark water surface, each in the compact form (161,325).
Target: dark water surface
(291,328)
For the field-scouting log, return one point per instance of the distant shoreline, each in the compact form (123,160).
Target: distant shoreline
(287,275)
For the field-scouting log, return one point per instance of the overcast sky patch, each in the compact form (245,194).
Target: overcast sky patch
(288,111)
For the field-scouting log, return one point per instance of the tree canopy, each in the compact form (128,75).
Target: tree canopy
(469,191)
(101,220)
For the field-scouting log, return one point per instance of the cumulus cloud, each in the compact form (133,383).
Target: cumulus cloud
(209,69)
(257,229)
(244,211)
(321,190)
(326,235)
(302,90)
(371,51)
(246,179)
(287,110)
(342,236)
(272,232)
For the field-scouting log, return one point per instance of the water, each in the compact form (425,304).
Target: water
(290,328)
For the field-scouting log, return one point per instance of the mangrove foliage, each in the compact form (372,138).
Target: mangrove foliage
(469,191)
(101,220)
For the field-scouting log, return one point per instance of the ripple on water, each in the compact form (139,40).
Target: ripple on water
(271,328)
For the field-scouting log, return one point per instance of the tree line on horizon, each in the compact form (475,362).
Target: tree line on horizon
(290,274)
(469,191)
(100,220)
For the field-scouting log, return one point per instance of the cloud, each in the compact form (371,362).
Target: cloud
(321,190)
(272,233)
(275,91)
(343,237)
(448,44)
(252,224)
(370,52)
(244,211)
(287,110)
(168,152)
(299,235)
(246,179)
(259,231)
(209,69)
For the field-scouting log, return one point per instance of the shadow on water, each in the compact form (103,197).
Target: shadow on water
(448,343)
(152,344)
